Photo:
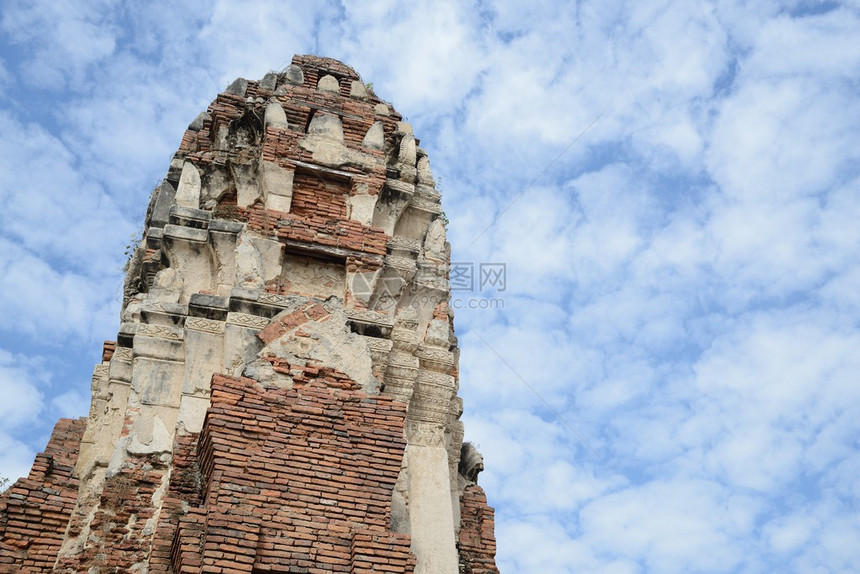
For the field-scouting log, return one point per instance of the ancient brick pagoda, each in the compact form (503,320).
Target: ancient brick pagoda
(282,393)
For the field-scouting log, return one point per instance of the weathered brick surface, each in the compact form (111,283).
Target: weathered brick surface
(108,350)
(477,540)
(117,539)
(176,547)
(35,510)
(316,229)
(286,480)
(315,197)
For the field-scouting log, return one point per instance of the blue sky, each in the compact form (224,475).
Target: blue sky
(681,280)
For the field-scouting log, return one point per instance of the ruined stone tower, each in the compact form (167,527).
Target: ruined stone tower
(282,392)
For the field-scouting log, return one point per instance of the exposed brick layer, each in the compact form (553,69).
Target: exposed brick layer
(108,350)
(317,230)
(477,539)
(315,197)
(290,480)
(117,541)
(176,547)
(318,215)
(35,510)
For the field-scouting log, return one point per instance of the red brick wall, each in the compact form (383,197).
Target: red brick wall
(117,537)
(290,480)
(35,510)
(315,198)
(477,540)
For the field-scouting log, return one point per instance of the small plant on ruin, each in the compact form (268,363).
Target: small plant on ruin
(3,482)
(131,248)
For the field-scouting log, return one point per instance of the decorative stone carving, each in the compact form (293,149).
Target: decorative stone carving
(404,128)
(238,87)
(197,124)
(358,90)
(123,354)
(205,325)
(275,115)
(375,137)
(426,433)
(160,331)
(425,176)
(249,321)
(100,372)
(407,153)
(294,75)
(471,462)
(326,125)
(275,299)
(404,244)
(425,203)
(268,82)
(328,84)
(435,359)
(161,210)
(369,316)
(188,191)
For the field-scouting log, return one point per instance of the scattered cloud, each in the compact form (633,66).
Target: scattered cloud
(62,41)
(681,279)
(23,403)
(16,381)
(46,195)
(426,57)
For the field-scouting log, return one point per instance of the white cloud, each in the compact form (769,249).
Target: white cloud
(266,27)
(48,305)
(681,281)
(425,56)
(782,137)
(71,404)
(62,40)
(816,46)
(771,390)
(787,534)
(16,458)
(672,526)
(52,206)
(4,76)
(536,544)
(22,400)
